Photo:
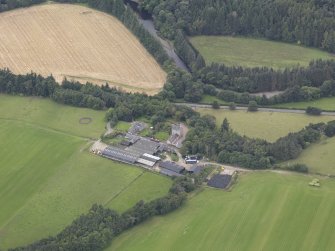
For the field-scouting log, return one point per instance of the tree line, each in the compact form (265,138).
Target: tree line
(96,229)
(6,5)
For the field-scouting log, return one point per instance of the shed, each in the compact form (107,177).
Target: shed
(172,166)
(219,181)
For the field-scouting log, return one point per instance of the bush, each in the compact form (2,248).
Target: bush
(232,106)
(252,107)
(215,105)
(330,129)
(301,168)
(313,110)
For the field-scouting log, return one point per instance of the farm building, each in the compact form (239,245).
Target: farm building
(195,169)
(132,138)
(169,173)
(119,155)
(219,181)
(172,166)
(148,160)
(143,145)
(150,157)
(137,127)
(178,133)
(191,159)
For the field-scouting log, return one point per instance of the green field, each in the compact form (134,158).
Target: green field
(264,211)
(250,52)
(327,104)
(207,99)
(122,126)
(48,178)
(264,125)
(318,157)
(47,114)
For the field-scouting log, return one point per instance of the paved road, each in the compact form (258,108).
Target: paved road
(297,111)
(167,45)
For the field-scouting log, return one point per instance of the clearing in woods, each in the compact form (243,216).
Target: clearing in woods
(264,125)
(249,52)
(264,211)
(78,43)
(47,178)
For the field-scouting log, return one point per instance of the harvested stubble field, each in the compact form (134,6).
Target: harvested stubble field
(78,43)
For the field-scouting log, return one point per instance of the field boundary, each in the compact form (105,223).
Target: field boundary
(124,188)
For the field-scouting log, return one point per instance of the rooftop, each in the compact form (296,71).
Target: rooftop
(172,166)
(219,181)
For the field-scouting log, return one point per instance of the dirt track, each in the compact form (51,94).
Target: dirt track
(78,43)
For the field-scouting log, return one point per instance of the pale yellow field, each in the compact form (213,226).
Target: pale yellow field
(78,43)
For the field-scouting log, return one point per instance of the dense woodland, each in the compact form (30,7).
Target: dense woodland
(308,22)
(311,23)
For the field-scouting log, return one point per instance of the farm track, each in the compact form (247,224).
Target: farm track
(94,46)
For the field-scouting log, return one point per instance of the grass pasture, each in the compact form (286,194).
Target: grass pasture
(264,211)
(327,104)
(264,125)
(79,43)
(47,178)
(249,52)
(44,113)
(319,157)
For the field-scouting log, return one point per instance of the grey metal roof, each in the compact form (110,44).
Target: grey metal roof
(143,145)
(195,169)
(150,157)
(169,173)
(172,166)
(119,154)
(219,181)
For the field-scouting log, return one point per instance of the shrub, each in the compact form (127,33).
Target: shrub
(232,106)
(215,105)
(330,129)
(313,110)
(302,168)
(252,107)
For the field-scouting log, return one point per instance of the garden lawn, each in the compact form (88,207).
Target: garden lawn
(319,157)
(249,52)
(265,125)
(122,126)
(327,104)
(264,211)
